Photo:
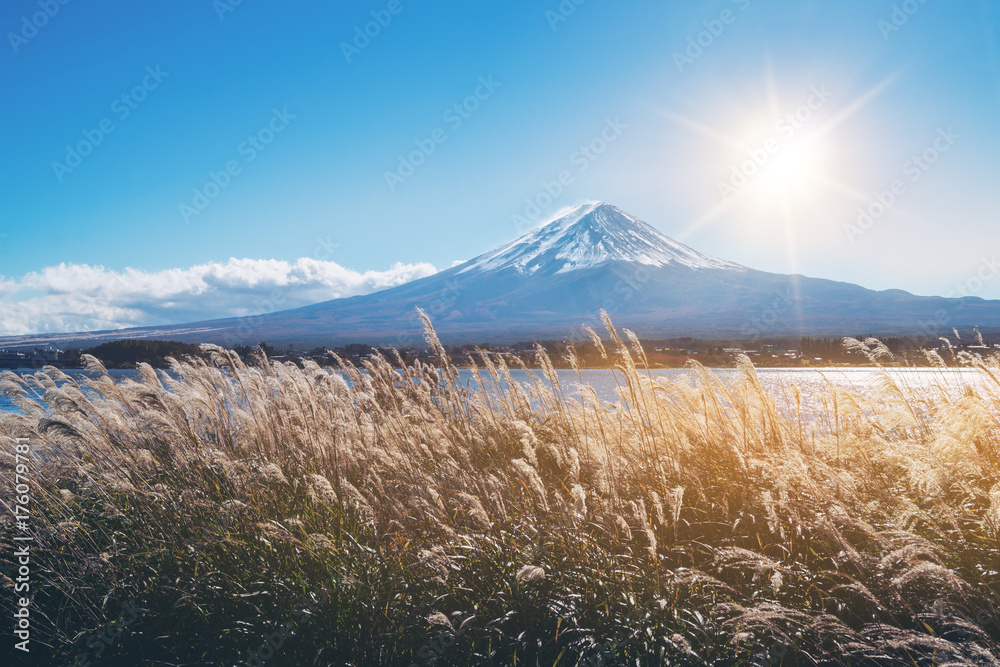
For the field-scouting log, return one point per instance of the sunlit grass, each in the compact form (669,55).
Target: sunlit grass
(402,517)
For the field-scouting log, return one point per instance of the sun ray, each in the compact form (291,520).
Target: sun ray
(794,173)
(792,253)
(772,87)
(706,217)
(860,103)
(705,130)
(842,188)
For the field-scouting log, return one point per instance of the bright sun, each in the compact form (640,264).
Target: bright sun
(778,167)
(792,169)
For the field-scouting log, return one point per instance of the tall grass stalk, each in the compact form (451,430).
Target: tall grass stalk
(384,516)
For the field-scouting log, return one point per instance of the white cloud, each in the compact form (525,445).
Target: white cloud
(80,297)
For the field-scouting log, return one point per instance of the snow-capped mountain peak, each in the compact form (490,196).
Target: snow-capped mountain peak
(588,236)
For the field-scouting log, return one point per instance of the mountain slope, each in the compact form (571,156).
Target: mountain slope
(553,279)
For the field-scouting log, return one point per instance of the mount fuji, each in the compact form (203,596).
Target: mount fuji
(548,282)
(587,237)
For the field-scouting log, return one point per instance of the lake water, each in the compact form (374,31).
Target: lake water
(79,374)
(811,381)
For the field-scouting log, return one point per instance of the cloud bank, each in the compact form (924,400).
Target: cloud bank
(80,297)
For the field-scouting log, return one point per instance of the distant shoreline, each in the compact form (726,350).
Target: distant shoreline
(787,353)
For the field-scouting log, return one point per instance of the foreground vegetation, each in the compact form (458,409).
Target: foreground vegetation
(230,514)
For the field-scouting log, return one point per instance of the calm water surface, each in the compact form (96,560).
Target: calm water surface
(811,381)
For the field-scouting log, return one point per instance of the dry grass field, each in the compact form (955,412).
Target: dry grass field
(225,514)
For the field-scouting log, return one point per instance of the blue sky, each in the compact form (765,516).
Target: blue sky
(123,236)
